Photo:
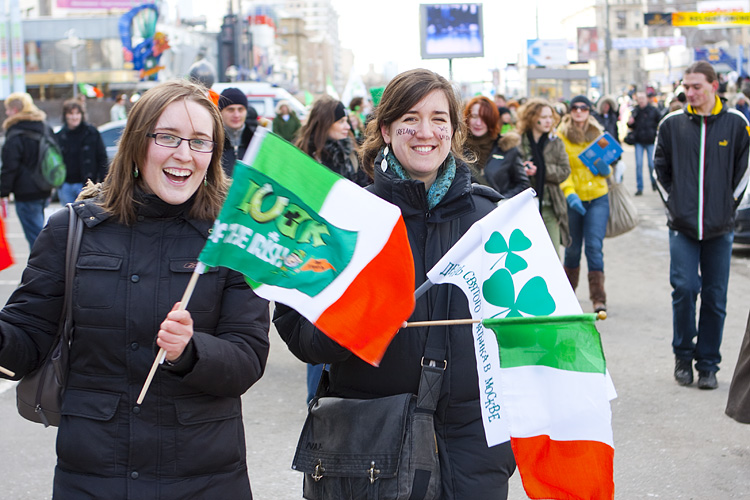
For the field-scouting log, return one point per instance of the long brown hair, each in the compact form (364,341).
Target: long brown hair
(487,112)
(400,96)
(529,113)
(116,193)
(313,135)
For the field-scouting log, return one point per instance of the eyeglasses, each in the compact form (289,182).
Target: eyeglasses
(579,108)
(173,141)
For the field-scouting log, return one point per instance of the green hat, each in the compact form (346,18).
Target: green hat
(376,93)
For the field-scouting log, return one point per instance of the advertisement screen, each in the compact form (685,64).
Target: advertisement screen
(451,30)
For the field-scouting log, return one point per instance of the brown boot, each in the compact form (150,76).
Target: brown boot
(596,291)
(572,273)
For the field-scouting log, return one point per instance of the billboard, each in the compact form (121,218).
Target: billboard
(588,44)
(547,52)
(449,31)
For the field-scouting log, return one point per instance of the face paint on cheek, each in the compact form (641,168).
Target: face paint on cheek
(444,137)
(406,131)
(443,129)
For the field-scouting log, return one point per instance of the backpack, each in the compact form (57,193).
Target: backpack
(49,171)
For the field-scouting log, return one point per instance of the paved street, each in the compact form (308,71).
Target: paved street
(671,442)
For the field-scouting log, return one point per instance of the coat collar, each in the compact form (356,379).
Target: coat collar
(410,195)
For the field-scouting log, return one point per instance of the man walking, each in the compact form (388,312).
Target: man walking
(701,165)
(20,154)
(644,119)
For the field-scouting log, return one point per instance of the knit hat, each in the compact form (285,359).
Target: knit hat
(340,111)
(252,115)
(232,96)
(580,99)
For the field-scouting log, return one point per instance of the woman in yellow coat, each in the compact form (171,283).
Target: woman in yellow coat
(588,201)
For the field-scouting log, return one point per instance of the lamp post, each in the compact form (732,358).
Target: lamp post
(74,43)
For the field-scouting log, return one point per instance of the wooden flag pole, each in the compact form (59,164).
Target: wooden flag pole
(600,316)
(7,372)
(162,353)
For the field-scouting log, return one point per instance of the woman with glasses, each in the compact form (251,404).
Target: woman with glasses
(144,227)
(588,201)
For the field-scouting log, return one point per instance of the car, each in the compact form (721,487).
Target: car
(264,97)
(742,220)
(111,132)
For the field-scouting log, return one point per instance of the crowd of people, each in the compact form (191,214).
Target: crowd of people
(445,163)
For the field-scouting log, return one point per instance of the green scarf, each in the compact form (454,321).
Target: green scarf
(445,176)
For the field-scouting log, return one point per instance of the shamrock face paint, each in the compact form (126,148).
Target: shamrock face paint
(421,138)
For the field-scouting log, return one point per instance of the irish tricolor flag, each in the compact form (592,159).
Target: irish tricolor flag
(309,238)
(555,394)
(542,379)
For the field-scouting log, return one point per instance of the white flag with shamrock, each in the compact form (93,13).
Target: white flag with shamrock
(507,266)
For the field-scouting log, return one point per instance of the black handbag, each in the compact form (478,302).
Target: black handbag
(630,138)
(39,394)
(380,449)
(383,448)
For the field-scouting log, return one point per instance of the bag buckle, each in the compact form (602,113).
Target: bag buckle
(373,472)
(433,364)
(317,474)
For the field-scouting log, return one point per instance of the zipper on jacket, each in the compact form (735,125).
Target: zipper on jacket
(701,175)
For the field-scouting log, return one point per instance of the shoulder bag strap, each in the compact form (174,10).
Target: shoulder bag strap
(434,361)
(75,232)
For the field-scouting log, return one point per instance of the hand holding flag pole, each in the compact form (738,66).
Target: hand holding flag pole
(162,354)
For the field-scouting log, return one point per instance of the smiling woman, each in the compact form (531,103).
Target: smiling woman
(413,149)
(144,227)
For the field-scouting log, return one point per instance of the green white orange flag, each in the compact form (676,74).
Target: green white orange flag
(555,397)
(306,237)
(508,268)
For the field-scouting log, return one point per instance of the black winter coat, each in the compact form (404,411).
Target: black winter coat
(85,157)
(20,155)
(645,124)
(469,469)
(186,440)
(232,154)
(702,197)
(504,170)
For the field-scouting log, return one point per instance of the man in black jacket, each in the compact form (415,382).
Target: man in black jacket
(240,121)
(644,119)
(20,155)
(701,165)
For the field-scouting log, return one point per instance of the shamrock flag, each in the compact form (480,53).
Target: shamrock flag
(509,270)
(555,399)
(306,237)
(507,266)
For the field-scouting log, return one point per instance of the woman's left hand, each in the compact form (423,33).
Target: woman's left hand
(175,332)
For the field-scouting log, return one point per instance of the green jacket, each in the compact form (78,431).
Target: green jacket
(286,128)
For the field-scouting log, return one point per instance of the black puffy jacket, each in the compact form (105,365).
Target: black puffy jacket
(20,155)
(646,120)
(469,468)
(186,440)
(701,198)
(504,169)
(85,156)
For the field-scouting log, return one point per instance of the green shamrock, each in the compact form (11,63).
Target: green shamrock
(518,243)
(533,299)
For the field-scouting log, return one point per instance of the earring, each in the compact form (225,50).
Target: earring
(135,172)
(205,180)
(384,163)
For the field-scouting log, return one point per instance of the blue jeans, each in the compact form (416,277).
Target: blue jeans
(639,163)
(588,229)
(31,215)
(68,192)
(699,267)
(313,377)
